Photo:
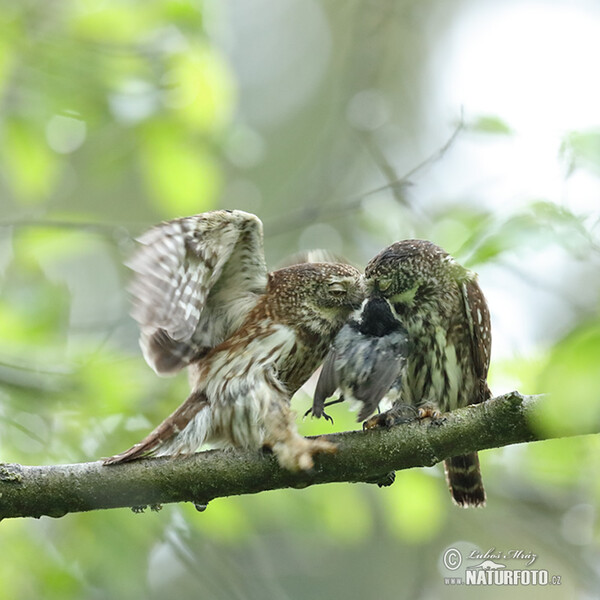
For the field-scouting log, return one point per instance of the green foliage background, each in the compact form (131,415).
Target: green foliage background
(118,114)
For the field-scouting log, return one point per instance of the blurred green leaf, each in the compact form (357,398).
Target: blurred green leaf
(113,22)
(572,379)
(344,512)
(33,310)
(110,383)
(416,506)
(537,226)
(581,149)
(226,520)
(186,14)
(181,174)
(36,245)
(6,62)
(555,462)
(456,228)
(31,166)
(517,372)
(489,124)
(199,89)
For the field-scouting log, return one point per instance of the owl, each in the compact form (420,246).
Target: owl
(204,301)
(440,306)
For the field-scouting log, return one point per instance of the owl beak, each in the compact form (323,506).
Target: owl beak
(371,288)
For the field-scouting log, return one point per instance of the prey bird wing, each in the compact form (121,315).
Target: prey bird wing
(196,279)
(326,384)
(385,371)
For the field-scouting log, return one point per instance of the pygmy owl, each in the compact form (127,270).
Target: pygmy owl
(204,300)
(444,312)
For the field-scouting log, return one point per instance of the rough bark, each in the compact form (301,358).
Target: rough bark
(33,491)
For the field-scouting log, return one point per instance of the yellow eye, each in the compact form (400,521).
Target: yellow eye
(384,284)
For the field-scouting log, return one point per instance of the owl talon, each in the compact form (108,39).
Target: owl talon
(379,421)
(429,412)
(297,454)
(397,415)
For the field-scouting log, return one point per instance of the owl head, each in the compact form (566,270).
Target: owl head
(316,293)
(413,274)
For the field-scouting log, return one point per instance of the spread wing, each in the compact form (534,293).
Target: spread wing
(196,279)
(478,318)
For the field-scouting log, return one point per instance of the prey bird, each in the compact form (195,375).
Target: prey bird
(365,361)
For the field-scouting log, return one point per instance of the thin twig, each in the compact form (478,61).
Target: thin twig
(323,212)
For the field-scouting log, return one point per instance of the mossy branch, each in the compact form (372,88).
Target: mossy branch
(33,491)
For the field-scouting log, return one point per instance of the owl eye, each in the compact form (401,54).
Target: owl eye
(337,289)
(384,284)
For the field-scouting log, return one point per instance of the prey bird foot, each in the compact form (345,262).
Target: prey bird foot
(323,414)
(319,412)
(328,417)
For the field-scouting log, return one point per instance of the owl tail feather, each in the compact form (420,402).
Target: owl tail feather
(165,439)
(464,480)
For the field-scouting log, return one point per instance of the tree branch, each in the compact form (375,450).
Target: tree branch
(33,491)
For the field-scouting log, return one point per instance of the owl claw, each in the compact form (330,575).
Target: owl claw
(397,415)
(381,421)
(297,454)
(429,412)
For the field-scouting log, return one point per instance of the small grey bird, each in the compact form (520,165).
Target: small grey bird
(365,360)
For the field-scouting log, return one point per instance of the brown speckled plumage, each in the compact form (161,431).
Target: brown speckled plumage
(204,300)
(445,314)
